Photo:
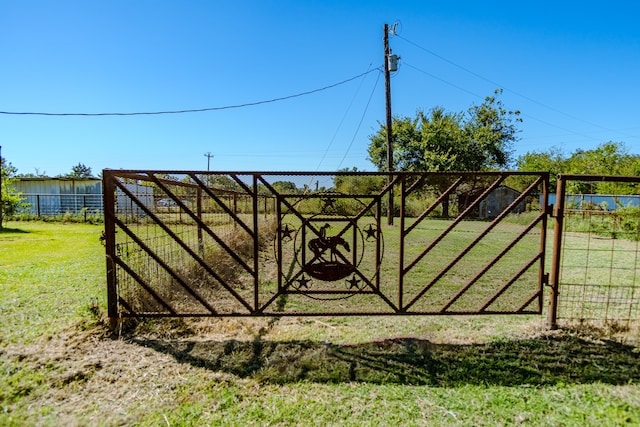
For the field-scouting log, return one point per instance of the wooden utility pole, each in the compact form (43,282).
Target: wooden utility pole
(387,80)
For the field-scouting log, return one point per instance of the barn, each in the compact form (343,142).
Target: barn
(56,196)
(59,196)
(492,205)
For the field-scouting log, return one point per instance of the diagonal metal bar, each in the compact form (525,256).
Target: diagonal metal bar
(434,205)
(164,265)
(126,306)
(536,294)
(453,225)
(491,263)
(203,226)
(184,246)
(508,284)
(223,205)
(144,284)
(470,246)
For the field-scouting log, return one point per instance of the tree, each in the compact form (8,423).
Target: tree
(10,199)
(480,139)
(357,184)
(285,187)
(552,161)
(608,158)
(80,171)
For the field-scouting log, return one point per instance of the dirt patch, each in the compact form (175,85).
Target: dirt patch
(88,375)
(106,378)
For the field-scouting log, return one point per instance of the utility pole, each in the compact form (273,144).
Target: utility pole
(387,80)
(209,156)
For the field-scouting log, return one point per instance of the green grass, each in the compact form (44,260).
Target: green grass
(59,366)
(50,276)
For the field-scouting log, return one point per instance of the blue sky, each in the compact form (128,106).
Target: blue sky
(571,68)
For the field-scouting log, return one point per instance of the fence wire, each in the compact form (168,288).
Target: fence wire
(599,272)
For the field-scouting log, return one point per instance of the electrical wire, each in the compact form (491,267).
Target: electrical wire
(478,96)
(481,77)
(198,110)
(326,151)
(361,120)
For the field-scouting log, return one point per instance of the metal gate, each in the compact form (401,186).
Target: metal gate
(186,243)
(595,272)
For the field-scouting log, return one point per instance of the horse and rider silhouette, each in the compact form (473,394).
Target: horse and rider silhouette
(322,243)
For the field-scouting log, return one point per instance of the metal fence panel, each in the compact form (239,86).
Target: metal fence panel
(185,243)
(597,253)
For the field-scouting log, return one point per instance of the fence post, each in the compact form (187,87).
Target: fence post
(108,192)
(556,254)
(256,245)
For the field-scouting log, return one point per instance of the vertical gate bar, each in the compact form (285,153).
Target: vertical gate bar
(256,264)
(378,267)
(279,218)
(401,248)
(556,255)
(543,239)
(108,194)
(199,215)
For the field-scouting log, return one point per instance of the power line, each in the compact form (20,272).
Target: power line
(496,84)
(198,110)
(478,96)
(326,151)
(360,123)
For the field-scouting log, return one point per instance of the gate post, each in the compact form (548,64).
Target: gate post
(556,254)
(108,194)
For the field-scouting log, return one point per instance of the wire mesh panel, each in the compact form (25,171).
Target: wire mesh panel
(599,272)
(250,243)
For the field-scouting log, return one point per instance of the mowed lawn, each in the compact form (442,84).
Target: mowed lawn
(61,366)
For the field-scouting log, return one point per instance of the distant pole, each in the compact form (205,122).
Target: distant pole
(387,80)
(208,155)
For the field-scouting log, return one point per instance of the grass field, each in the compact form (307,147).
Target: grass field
(59,365)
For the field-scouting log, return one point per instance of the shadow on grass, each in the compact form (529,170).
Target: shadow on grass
(547,360)
(5,230)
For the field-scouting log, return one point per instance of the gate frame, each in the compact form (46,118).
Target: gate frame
(109,186)
(559,213)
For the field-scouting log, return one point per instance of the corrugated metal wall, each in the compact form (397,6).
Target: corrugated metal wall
(54,196)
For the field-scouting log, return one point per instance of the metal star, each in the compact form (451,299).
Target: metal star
(353,282)
(328,202)
(371,232)
(286,232)
(303,282)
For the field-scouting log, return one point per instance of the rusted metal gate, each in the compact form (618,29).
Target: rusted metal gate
(185,243)
(595,272)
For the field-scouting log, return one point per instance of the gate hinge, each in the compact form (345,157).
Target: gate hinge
(545,279)
(549,210)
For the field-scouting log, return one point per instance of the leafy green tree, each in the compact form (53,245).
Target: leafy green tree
(80,171)
(10,200)
(608,158)
(480,139)
(368,184)
(552,161)
(285,187)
